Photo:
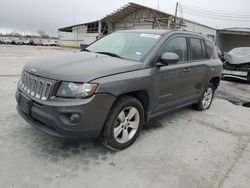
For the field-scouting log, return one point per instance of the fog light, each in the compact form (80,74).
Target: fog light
(74,118)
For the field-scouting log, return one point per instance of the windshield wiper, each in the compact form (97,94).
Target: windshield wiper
(110,54)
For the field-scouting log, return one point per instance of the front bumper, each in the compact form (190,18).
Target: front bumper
(243,74)
(53,116)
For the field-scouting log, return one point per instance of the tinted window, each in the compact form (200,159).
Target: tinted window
(178,46)
(209,53)
(196,49)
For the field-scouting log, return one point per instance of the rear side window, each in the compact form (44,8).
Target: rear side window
(178,46)
(196,49)
(209,50)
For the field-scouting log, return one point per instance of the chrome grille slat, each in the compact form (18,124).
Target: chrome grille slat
(39,89)
(46,90)
(25,81)
(28,84)
(33,87)
(36,86)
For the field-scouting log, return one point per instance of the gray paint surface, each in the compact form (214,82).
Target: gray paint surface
(81,67)
(117,76)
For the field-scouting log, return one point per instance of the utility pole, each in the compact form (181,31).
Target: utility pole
(175,16)
(158,4)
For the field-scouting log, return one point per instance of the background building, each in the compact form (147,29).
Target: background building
(131,16)
(233,37)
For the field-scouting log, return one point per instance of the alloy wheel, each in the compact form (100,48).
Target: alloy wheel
(207,98)
(126,124)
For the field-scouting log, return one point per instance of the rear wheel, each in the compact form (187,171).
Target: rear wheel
(206,99)
(124,123)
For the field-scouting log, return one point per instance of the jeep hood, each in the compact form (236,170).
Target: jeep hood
(81,67)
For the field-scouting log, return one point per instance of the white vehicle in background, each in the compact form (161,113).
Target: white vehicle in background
(16,41)
(53,43)
(45,42)
(237,64)
(37,42)
(26,41)
(6,41)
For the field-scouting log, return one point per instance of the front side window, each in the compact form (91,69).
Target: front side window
(178,46)
(126,45)
(196,49)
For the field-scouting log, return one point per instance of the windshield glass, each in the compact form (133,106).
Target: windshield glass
(240,51)
(132,46)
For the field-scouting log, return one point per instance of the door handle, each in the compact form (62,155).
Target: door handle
(187,69)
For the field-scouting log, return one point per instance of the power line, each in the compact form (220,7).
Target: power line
(213,14)
(216,17)
(215,11)
(216,14)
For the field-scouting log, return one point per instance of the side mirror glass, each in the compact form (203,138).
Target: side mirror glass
(169,58)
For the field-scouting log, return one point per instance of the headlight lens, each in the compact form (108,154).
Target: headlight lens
(76,90)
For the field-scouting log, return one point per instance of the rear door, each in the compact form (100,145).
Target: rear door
(199,63)
(174,82)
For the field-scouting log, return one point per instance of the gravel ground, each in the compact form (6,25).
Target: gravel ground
(184,148)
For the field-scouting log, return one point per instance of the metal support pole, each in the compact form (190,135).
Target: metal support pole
(175,16)
(99,28)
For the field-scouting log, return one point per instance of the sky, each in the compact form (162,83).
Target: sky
(29,16)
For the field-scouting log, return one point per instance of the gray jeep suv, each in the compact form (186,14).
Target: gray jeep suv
(110,89)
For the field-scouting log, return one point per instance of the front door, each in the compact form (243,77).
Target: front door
(174,82)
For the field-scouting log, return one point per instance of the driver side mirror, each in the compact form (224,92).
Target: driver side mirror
(169,58)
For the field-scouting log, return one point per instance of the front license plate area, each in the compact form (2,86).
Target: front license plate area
(24,103)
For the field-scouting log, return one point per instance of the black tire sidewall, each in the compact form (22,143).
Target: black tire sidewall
(108,132)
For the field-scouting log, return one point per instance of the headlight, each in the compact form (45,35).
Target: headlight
(76,90)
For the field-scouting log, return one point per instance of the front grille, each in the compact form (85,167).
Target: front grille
(36,86)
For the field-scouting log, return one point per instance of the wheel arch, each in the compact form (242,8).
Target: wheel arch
(140,95)
(215,81)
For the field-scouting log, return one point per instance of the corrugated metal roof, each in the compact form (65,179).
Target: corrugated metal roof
(69,28)
(129,9)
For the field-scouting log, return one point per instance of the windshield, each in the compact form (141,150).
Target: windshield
(132,46)
(240,51)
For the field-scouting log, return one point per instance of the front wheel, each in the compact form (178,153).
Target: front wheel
(206,99)
(124,123)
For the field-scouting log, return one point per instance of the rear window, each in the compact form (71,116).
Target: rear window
(196,49)
(209,53)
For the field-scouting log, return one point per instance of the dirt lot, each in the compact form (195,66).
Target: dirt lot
(184,148)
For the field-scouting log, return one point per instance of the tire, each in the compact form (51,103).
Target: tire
(207,96)
(120,130)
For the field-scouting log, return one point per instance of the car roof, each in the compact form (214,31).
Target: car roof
(150,31)
(165,31)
